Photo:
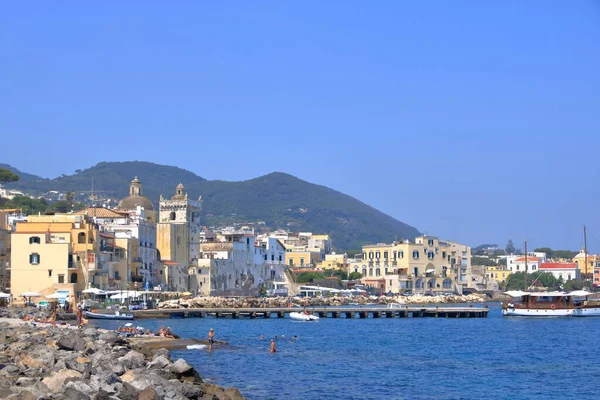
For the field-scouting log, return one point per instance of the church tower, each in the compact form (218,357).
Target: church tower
(178,235)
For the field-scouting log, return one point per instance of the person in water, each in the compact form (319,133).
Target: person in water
(211,337)
(272,349)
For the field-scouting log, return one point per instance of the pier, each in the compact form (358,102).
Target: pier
(408,311)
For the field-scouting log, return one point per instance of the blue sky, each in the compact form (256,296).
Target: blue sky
(474,121)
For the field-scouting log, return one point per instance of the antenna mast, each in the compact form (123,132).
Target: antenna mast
(585,248)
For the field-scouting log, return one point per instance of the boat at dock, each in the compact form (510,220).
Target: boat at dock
(116,315)
(578,303)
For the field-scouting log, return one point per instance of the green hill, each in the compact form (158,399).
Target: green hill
(278,199)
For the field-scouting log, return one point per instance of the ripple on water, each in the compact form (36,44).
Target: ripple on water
(375,359)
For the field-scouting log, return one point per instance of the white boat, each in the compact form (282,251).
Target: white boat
(301,316)
(551,304)
(116,315)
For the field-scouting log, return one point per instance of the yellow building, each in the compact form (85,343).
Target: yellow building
(593,260)
(302,258)
(497,272)
(427,264)
(334,261)
(63,250)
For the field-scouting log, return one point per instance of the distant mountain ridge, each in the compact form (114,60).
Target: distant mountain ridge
(280,200)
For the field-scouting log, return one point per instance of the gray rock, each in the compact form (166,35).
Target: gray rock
(71,342)
(162,353)
(9,369)
(180,367)
(108,337)
(127,392)
(93,332)
(132,360)
(159,362)
(24,382)
(71,393)
(118,369)
(101,395)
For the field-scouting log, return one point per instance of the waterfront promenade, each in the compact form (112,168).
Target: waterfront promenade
(397,311)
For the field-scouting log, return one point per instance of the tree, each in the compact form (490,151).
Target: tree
(336,272)
(576,285)
(523,281)
(308,277)
(61,206)
(510,247)
(7,176)
(69,198)
(482,261)
(567,254)
(355,276)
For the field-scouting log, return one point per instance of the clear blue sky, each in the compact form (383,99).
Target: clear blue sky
(474,121)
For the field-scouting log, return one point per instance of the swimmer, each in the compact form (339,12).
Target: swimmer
(272,349)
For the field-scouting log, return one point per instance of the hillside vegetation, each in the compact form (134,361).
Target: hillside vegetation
(278,199)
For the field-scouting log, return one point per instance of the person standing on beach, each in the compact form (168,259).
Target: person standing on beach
(211,337)
(79,317)
(272,349)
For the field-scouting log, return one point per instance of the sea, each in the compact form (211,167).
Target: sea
(399,358)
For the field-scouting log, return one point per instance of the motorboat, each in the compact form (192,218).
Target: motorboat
(116,315)
(551,304)
(303,316)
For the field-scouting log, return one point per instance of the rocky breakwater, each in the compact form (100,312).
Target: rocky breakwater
(46,362)
(280,302)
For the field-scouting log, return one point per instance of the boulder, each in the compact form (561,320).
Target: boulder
(164,353)
(56,380)
(148,394)
(132,360)
(159,362)
(180,367)
(71,342)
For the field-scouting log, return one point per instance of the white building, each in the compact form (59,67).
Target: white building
(516,263)
(564,271)
(238,265)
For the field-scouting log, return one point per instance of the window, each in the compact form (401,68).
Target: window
(364,272)
(430,242)
(371,255)
(400,254)
(49,273)
(172,216)
(291,262)
(443,254)
(265,257)
(431,255)
(272,257)
(364,256)
(81,238)
(34,258)
(34,239)
(302,261)
(385,255)
(61,278)
(395,255)
(416,254)
(73,278)
(377,255)
(378,272)
(280,257)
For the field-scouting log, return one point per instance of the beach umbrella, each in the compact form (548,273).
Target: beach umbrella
(94,291)
(30,294)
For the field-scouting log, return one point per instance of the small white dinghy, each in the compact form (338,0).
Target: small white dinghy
(300,316)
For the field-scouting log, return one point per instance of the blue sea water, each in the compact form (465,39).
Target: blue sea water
(400,358)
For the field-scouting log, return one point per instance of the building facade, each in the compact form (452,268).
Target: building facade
(178,239)
(564,271)
(425,265)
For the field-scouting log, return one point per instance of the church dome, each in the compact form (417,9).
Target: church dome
(135,198)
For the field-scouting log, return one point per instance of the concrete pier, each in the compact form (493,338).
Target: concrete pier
(323,312)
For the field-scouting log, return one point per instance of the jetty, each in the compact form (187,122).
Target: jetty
(391,311)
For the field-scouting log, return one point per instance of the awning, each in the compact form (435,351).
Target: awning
(429,271)
(580,293)
(4,295)
(30,294)
(57,296)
